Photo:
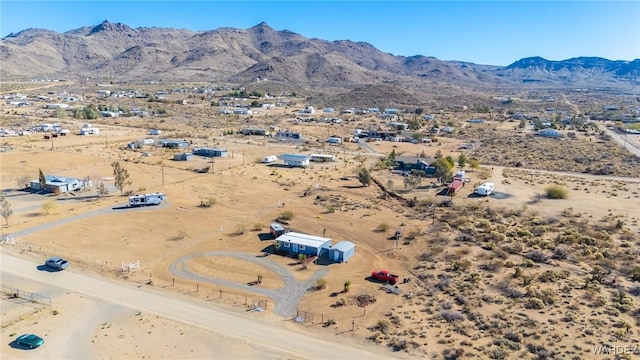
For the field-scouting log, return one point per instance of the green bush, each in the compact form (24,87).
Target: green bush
(383,227)
(556,192)
(286,215)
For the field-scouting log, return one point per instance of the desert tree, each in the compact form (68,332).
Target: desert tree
(49,206)
(121,176)
(412,181)
(462,160)
(364,176)
(474,164)
(5,208)
(102,189)
(42,180)
(443,169)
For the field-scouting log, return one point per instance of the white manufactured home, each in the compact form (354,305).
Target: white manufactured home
(322,157)
(295,160)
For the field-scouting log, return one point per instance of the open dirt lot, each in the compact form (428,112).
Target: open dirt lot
(474,278)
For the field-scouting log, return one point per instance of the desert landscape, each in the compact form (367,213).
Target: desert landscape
(545,267)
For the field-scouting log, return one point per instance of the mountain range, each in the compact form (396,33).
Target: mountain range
(118,52)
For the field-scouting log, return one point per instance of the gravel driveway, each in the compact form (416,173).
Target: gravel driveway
(286,298)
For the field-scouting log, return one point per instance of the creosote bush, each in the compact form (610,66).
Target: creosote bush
(556,192)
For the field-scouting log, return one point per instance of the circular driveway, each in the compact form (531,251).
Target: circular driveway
(286,297)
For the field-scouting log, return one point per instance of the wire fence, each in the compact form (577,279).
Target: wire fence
(26,295)
(213,293)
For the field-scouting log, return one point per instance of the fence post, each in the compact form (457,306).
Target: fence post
(245,299)
(173,281)
(197,287)
(322,317)
(220,293)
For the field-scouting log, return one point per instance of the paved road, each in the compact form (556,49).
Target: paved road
(286,298)
(262,333)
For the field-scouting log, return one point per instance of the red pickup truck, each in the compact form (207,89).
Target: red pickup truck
(386,276)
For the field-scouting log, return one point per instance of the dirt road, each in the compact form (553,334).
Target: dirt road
(262,334)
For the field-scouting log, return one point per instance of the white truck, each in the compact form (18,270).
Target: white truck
(147,199)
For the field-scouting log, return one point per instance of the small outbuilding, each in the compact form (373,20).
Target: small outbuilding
(276,230)
(342,251)
(183,157)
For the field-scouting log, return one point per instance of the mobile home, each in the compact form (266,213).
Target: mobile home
(322,157)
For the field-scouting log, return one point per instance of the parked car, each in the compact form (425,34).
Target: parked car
(57,263)
(30,340)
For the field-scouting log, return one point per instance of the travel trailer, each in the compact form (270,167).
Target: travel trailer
(146,199)
(485,189)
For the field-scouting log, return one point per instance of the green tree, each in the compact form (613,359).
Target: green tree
(364,176)
(419,111)
(522,124)
(462,160)
(438,154)
(412,181)
(60,114)
(48,206)
(42,180)
(5,208)
(474,164)
(443,169)
(121,176)
(90,112)
(450,160)
(392,155)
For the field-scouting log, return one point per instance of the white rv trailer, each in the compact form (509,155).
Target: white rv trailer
(147,199)
(485,189)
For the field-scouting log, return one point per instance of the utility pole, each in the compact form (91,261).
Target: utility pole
(162,174)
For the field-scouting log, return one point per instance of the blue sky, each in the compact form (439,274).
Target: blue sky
(482,32)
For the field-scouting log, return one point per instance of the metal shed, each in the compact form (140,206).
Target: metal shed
(342,251)
(183,157)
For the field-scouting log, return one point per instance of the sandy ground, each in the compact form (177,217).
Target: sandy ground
(248,197)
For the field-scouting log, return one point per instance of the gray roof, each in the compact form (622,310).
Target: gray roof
(343,246)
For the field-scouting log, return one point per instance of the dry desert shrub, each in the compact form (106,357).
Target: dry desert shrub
(556,192)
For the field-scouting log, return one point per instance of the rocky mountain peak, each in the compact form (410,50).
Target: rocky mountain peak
(109,26)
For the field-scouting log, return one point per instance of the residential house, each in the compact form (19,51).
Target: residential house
(297,243)
(173,144)
(211,152)
(253,131)
(295,160)
(322,157)
(288,135)
(405,163)
(548,133)
(58,184)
